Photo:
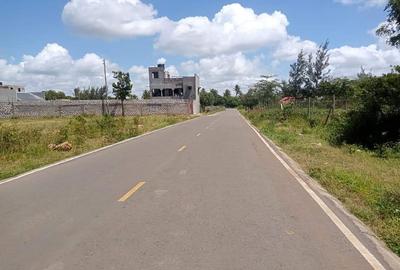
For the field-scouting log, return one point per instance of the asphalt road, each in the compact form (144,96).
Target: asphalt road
(206,194)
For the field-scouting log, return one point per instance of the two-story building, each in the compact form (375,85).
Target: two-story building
(163,86)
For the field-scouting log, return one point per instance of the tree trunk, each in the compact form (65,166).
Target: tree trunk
(327,117)
(123,108)
(333,104)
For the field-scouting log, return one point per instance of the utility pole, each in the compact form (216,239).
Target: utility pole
(105,84)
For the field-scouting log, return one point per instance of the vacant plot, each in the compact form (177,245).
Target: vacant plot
(367,183)
(24,143)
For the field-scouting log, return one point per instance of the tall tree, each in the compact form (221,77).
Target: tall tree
(206,99)
(218,99)
(317,70)
(297,76)
(250,99)
(238,92)
(122,87)
(266,89)
(391,28)
(227,93)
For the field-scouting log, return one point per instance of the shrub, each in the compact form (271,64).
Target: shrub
(375,120)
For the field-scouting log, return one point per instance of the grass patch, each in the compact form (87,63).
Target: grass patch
(367,182)
(24,142)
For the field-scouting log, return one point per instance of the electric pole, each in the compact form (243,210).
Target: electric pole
(105,84)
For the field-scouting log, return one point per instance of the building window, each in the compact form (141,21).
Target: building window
(156,93)
(178,92)
(155,75)
(167,92)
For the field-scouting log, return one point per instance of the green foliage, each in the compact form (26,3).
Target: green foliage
(238,91)
(317,70)
(122,87)
(54,95)
(227,93)
(339,87)
(391,29)
(367,184)
(146,94)
(250,99)
(297,77)
(91,93)
(24,142)
(374,122)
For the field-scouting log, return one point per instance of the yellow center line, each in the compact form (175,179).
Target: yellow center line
(131,192)
(182,148)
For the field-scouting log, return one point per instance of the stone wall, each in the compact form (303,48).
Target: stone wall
(94,107)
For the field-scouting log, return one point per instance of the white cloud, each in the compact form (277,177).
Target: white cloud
(347,61)
(110,18)
(140,77)
(54,68)
(161,61)
(225,71)
(365,3)
(290,48)
(234,28)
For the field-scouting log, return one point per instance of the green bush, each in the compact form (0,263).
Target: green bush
(375,120)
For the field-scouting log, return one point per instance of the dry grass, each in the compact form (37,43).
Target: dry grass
(24,142)
(367,184)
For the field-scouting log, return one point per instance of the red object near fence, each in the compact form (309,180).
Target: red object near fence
(287,100)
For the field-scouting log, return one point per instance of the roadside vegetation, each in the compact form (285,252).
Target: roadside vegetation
(24,143)
(366,181)
(344,132)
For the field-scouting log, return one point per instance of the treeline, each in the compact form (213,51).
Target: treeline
(372,120)
(213,98)
(90,93)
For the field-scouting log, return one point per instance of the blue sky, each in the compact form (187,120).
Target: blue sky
(58,44)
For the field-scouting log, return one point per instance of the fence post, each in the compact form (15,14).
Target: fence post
(12,109)
(333,104)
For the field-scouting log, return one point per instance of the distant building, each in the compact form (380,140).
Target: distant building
(14,93)
(163,86)
(8,93)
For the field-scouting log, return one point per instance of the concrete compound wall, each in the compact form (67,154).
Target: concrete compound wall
(94,107)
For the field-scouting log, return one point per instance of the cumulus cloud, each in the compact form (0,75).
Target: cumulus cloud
(54,68)
(161,61)
(365,3)
(347,60)
(220,45)
(224,71)
(234,28)
(110,18)
(289,49)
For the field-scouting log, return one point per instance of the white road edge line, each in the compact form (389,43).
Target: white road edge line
(371,259)
(91,152)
